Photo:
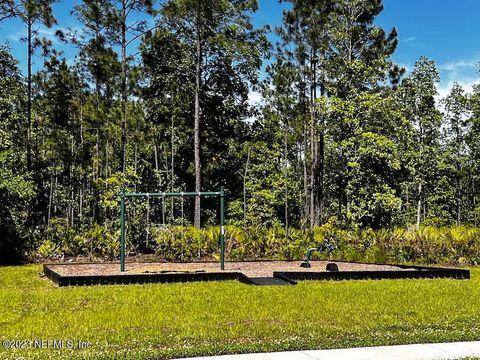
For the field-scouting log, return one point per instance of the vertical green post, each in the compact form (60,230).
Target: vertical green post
(222,228)
(122,232)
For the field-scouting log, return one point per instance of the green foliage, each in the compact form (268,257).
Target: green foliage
(264,183)
(338,134)
(94,242)
(371,157)
(427,245)
(16,187)
(185,243)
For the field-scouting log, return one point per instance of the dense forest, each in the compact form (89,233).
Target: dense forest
(158,100)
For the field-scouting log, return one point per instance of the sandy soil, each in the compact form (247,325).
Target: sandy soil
(250,269)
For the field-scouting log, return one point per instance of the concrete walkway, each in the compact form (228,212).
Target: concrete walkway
(449,351)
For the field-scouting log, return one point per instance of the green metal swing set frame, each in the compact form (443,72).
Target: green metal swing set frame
(220,194)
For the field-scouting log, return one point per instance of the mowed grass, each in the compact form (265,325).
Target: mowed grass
(174,320)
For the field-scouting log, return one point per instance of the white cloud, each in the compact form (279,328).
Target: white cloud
(15,37)
(463,72)
(255,98)
(455,65)
(48,33)
(414,42)
(444,88)
(460,70)
(407,67)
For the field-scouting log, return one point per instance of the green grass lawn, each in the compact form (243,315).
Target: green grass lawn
(175,320)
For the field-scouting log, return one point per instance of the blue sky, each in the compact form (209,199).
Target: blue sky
(447,31)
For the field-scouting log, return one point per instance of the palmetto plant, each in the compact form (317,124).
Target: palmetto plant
(426,245)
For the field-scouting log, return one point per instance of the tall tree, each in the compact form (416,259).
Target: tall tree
(456,119)
(338,52)
(358,50)
(418,93)
(16,187)
(96,55)
(32,13)
(473,143)
(280,113)
(100,68)
(125,28)
(365,149)
(166,74)
(222,42)
(6,7)
(306,27)
(358,62)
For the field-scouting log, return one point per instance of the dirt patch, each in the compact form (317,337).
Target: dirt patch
(250,269)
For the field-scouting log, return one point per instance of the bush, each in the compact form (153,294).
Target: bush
(427,245)
(62,240)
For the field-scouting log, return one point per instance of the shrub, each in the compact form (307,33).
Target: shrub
(427,245)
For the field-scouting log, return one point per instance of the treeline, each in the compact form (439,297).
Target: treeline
(158,100)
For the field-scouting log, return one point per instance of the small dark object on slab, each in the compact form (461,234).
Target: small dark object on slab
(332,267)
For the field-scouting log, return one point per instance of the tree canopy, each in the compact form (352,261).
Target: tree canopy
(158,98)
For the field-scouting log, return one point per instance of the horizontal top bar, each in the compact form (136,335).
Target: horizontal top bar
(167,194)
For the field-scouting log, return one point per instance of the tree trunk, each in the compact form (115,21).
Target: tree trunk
(155,155)
(245,189)
(314,146)
(458,168)
(97,157)
(55,187)
(302,156)
(306,209)
(321,160)
(459,201)
(81,124)
(29,95)
(198,166)
(71,206)
(50,201)
(124,87)
(107,159)
(80,205)
(321,170)
(285,169)
(419,206)
(313,158)
(135,164)
(474,208)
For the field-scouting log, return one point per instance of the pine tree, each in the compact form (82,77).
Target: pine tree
(124,31)
(339,52)
(6,9)
(306,28)
(32,13)
(473,143)
(224,50)
(16,187)
(418,93)
(358,50)
(456,117)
